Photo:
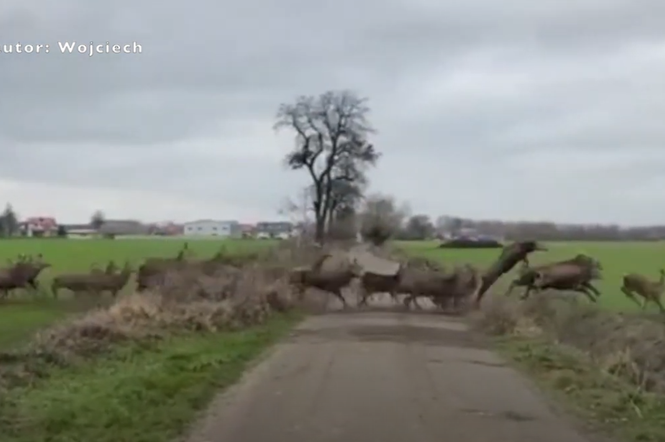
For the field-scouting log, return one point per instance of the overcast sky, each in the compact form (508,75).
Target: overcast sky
(517,109)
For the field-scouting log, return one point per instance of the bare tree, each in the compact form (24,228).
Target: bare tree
(332,145)
(97,219)
(297,210)
(381,218)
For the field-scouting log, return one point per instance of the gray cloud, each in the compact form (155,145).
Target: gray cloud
(470,99)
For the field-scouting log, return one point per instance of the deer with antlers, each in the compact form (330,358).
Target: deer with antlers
(636,285)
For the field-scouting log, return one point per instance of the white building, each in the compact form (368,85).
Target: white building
(209,227)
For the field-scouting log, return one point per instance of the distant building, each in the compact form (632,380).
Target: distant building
(247,230)
(277,229)
(80,230)
(166,229)
(39,226)
(209,227)
(118,227)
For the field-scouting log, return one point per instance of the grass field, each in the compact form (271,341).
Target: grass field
(23,315)
(74,255)
(617,259)
(18,320)
(104,399)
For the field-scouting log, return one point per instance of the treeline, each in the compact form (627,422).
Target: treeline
(421,227)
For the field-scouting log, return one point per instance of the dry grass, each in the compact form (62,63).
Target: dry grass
(629,345)
(188,301)
(140,368)
(608,362)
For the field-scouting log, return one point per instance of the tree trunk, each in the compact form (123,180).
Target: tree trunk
(320,233)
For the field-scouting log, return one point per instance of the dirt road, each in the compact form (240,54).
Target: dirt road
(382,377)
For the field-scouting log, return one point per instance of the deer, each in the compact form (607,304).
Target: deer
(527,275)
(650,291)
(467,282)
(34,267)
(110,268)
(152,271)
(331,281)
(438,286)
(371,283)
(112,281)
(16,276)
(575,274)
(510,256)
(445,288)
(94,282)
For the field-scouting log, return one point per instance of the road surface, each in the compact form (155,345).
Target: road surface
(382,377)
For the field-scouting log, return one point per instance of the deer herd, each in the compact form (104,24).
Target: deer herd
(465,282)
(414,279)
(24,271)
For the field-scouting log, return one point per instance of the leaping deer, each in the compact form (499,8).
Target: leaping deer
(636,284)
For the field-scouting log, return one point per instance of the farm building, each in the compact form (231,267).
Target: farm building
(277,229)
(209,227)
(80,230)
(166,228)
(118,227)
(247,230)
(39,226)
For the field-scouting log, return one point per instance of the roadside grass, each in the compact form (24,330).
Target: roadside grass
(19,320)
(617,258)
(138,393)
(599,398)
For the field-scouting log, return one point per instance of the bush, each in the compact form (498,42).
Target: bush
(631,346)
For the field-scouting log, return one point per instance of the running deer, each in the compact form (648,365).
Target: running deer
(510,256)
(649,291)
(331,281)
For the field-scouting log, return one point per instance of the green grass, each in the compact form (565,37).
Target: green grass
(606,402)
(617,258)
(21,316)
(75,255)
(135,395)
(19,321)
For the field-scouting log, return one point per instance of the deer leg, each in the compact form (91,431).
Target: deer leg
(586,292)
(339,296)
(630,295)
(407,301)
(659,304)
(511,287)
(456,303)
(593,289)
(364,294)
(527,291)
